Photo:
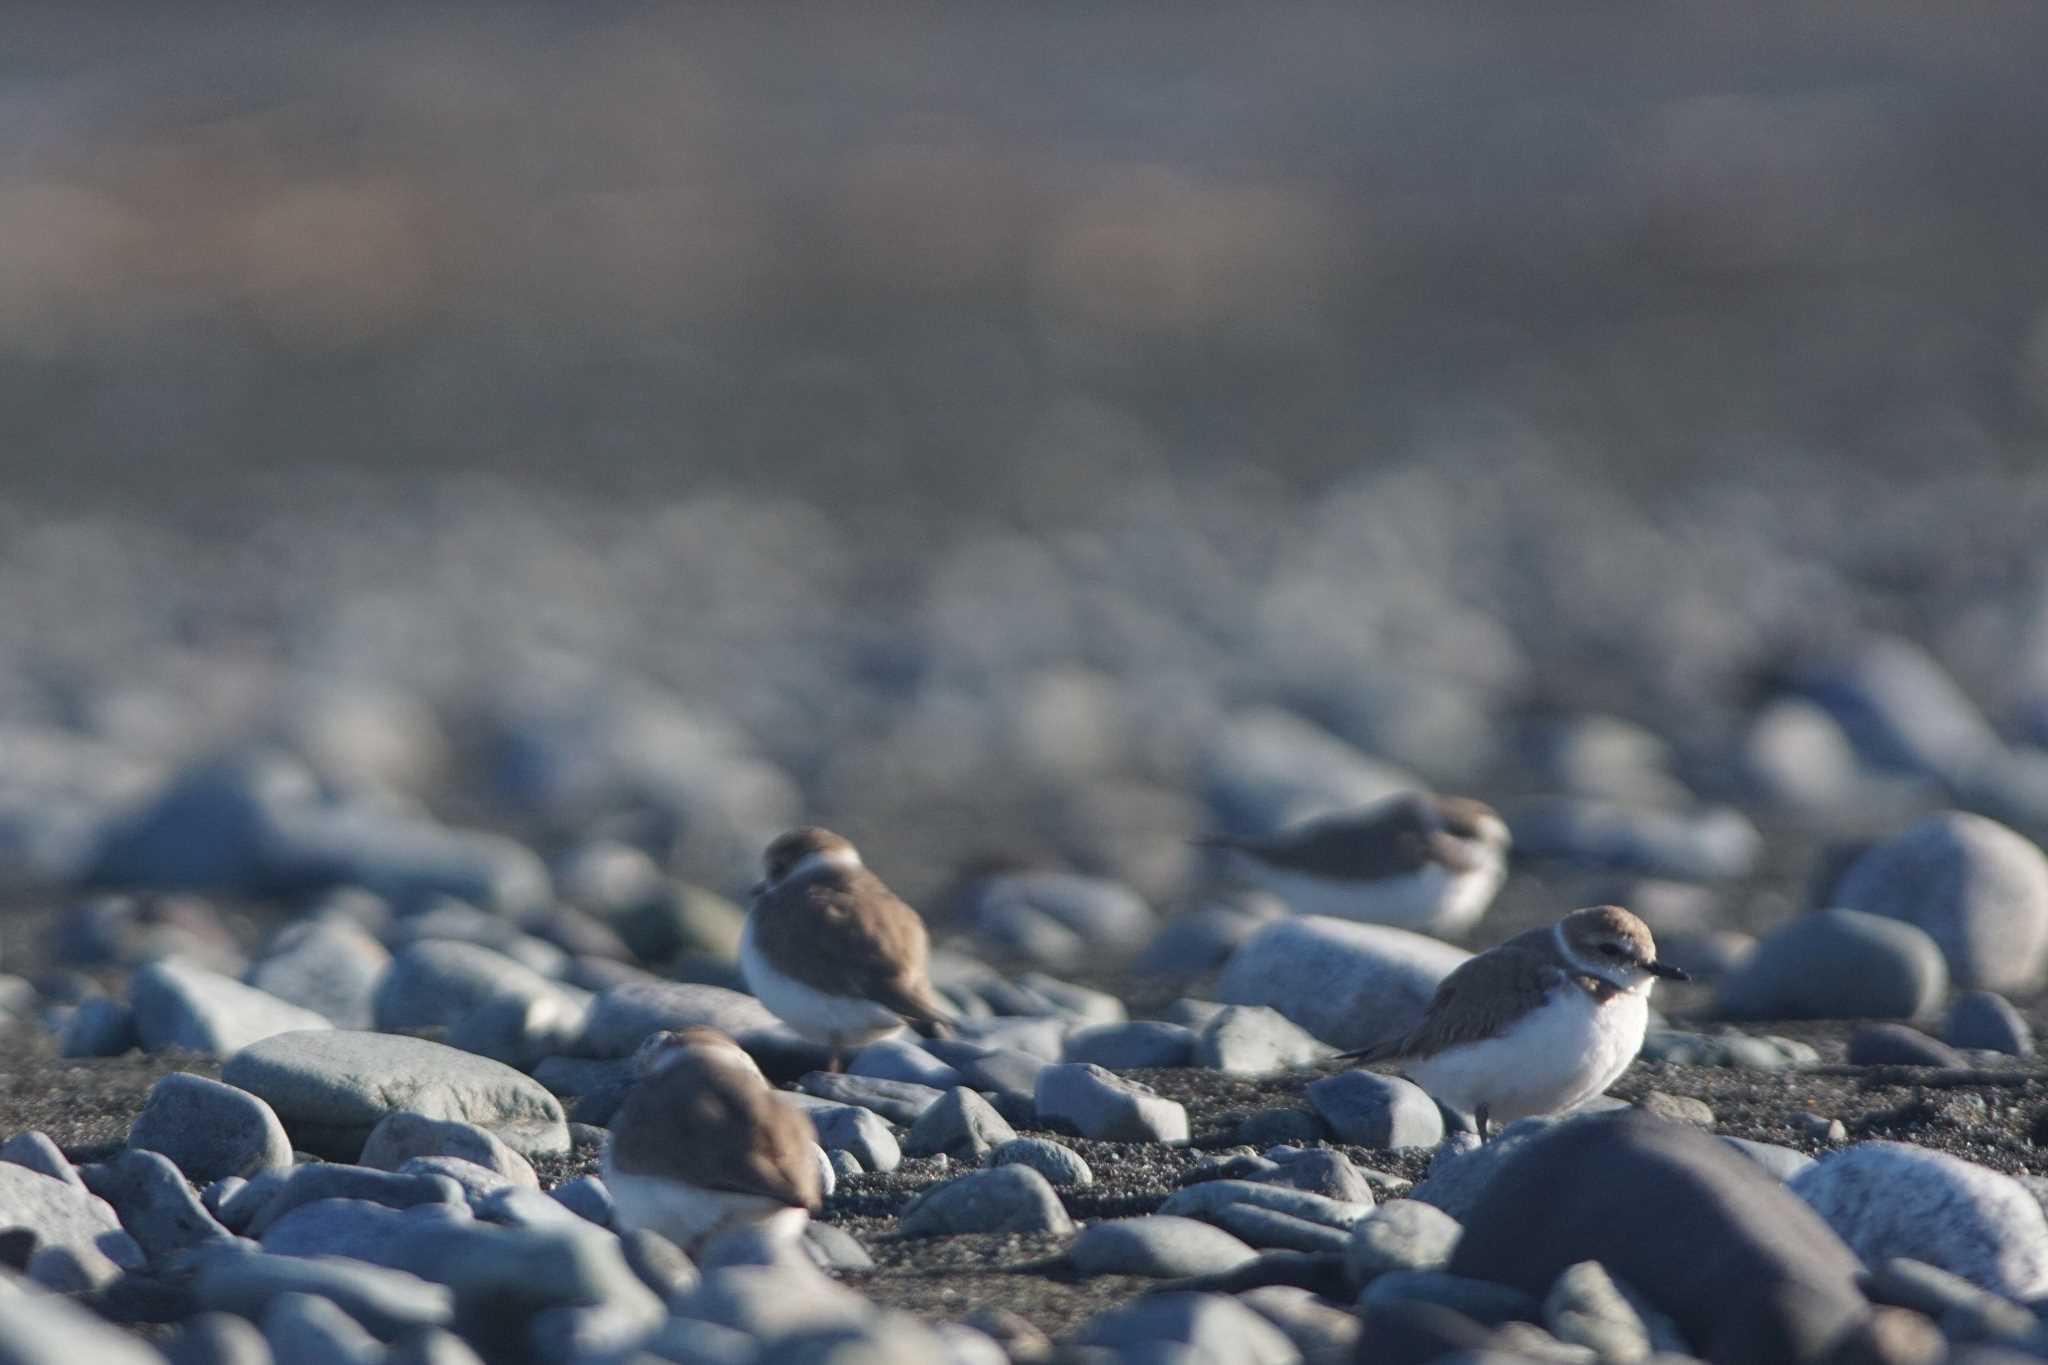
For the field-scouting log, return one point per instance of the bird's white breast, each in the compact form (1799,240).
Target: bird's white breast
(1433,900)
(836,1020)
(1558,1055)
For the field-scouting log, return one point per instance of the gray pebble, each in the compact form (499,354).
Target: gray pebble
(897,1101)
(357,1228)
(624,1015)
(1215,1326)
(438,981)
(769,1303)
(1678,1109)
(856,1130)
(1264,1228)
(34,1151)
(1197,942)
(518,1206)
(99,1027)
(1819,1127)
(520,1030)
(1838,964)
(64,1216)
(1781,1161)
(1347,984)
(1141,1043)
(210,1129)
(1061,1165)
(1377,1111)
(1158,1246)
(834,1248)
(1254,1040)
(892,1059)
(1949,1299)
(1006,1198)
(1319,1330)
(962,1125)
(1102,1105)
(309,1330)
(1402,1234)
(1200,1201)
(1483,1301)
(586,1197)
(179,1005)
(39,1328)
(329,966)
(1319,1171)
(323,1180)
(217,1339)
(401,1136)
(1008,1078)
(1009,910)
(478,1182)
(844,1163)
(155,1203)
(1899,1045)
(1587,1307)
(386,1303)
(1987,1020)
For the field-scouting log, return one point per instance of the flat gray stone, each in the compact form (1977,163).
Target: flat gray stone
(1216,1326)
(512,1269)
(1062,1166)
(1319,1171)
(1888,1199)
(962,1125)
(99,1027)
(328,966)
(356,1228)
(586,1197)
(768,1303)
(1000,1199)
(44,1329)
(400,1137)
(1401,1234)
(849,1128)
(1270,1229)
(436,982)
(624,1015)
(892,1059)
(1348,984)
(1204,1199)
(386,1303)
(332,1180)
(1978,888)
(1899,1045)
(309,1330)
(1988,1021)
(178,1005)
(1158,1246)
(1838,964)
(1781,1161)
(156,1205)
(210,1129)
(1008,910)
(1484,1301)
(65,1216)
(1107,1107)
(331,1089)
(1253,1040)
(1140,1043)
(1588,1307)
(479,1183)
(897,1101)
(1372,1110)
(35,1151)
(1318,1329)
(217,1339)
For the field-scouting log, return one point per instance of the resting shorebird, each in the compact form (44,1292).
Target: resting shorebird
(702,1142)
(1541,1023)
(1418,861)
(832,950)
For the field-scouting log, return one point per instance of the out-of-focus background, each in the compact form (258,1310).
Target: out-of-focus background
(1048,431)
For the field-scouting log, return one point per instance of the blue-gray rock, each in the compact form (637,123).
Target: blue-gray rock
(1600,755)
(1043,1036)
(516,1205)
(1062,1166)
(1158,1246)
(1965,1312)
(1898,1045)
(1766,1052)
(1264,768)
(1710,843)
(1837,964)
(1318,1329)
(1216,1326)
(1979,889)
(767,1303)
(34,1150)
(65,1216)
(156,1205)
(623,1016)
(1796,754)
(356,1228)
(1588,1307)
(310,1329)
(1252,1040)
(962,1125)
(586,1197)
(332,1180)
(209,827)
(329,966)
(1987,1020)
(892,1059)
(217,1339)
(405,859)
(1140,1043)
(209,1129)
(1746,1271)
(1102,1105)
(1008,1198)
(1348,984)
(1081,1004)
(1483,1301)
(433,1347)
(844,1163)
(1099,917)
(1372,1110)
(502,1274)
(1318,1170)
(126,931)
(1889,1199)
(99,1027)
(1269,1228)
(854,1129)
(399,1137)
(1781,1161)
(38,1329)
(1900,708)
(1008,1077)
(178,1005)
(1402,1234)
(386,1303)
(330,1089)
(479,1183)
(1198,941)
(1204,1199)
(437,981)
(235,1201)
(896,1101)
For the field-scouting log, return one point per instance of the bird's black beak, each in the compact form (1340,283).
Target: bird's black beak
(1667,971)
(754,891)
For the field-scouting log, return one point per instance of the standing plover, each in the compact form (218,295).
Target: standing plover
(832,950)
(1418,861)
(1541,1023)
(702,1142)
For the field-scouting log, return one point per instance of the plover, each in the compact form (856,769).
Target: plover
(1542,1023)
(832,950)
(1417,861)
(703,1142)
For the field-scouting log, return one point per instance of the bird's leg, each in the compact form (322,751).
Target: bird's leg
(1479,1117)
(836,1063)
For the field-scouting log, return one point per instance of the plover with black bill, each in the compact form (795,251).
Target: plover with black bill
(1540,1024)
(702,1143)
(832,951)
(1416,861)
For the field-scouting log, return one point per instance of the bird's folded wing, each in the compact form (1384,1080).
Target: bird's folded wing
(1477,1001)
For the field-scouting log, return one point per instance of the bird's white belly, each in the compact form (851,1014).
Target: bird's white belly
(1557,1056)
(1433,900)
(835,1020)
(686,1213)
